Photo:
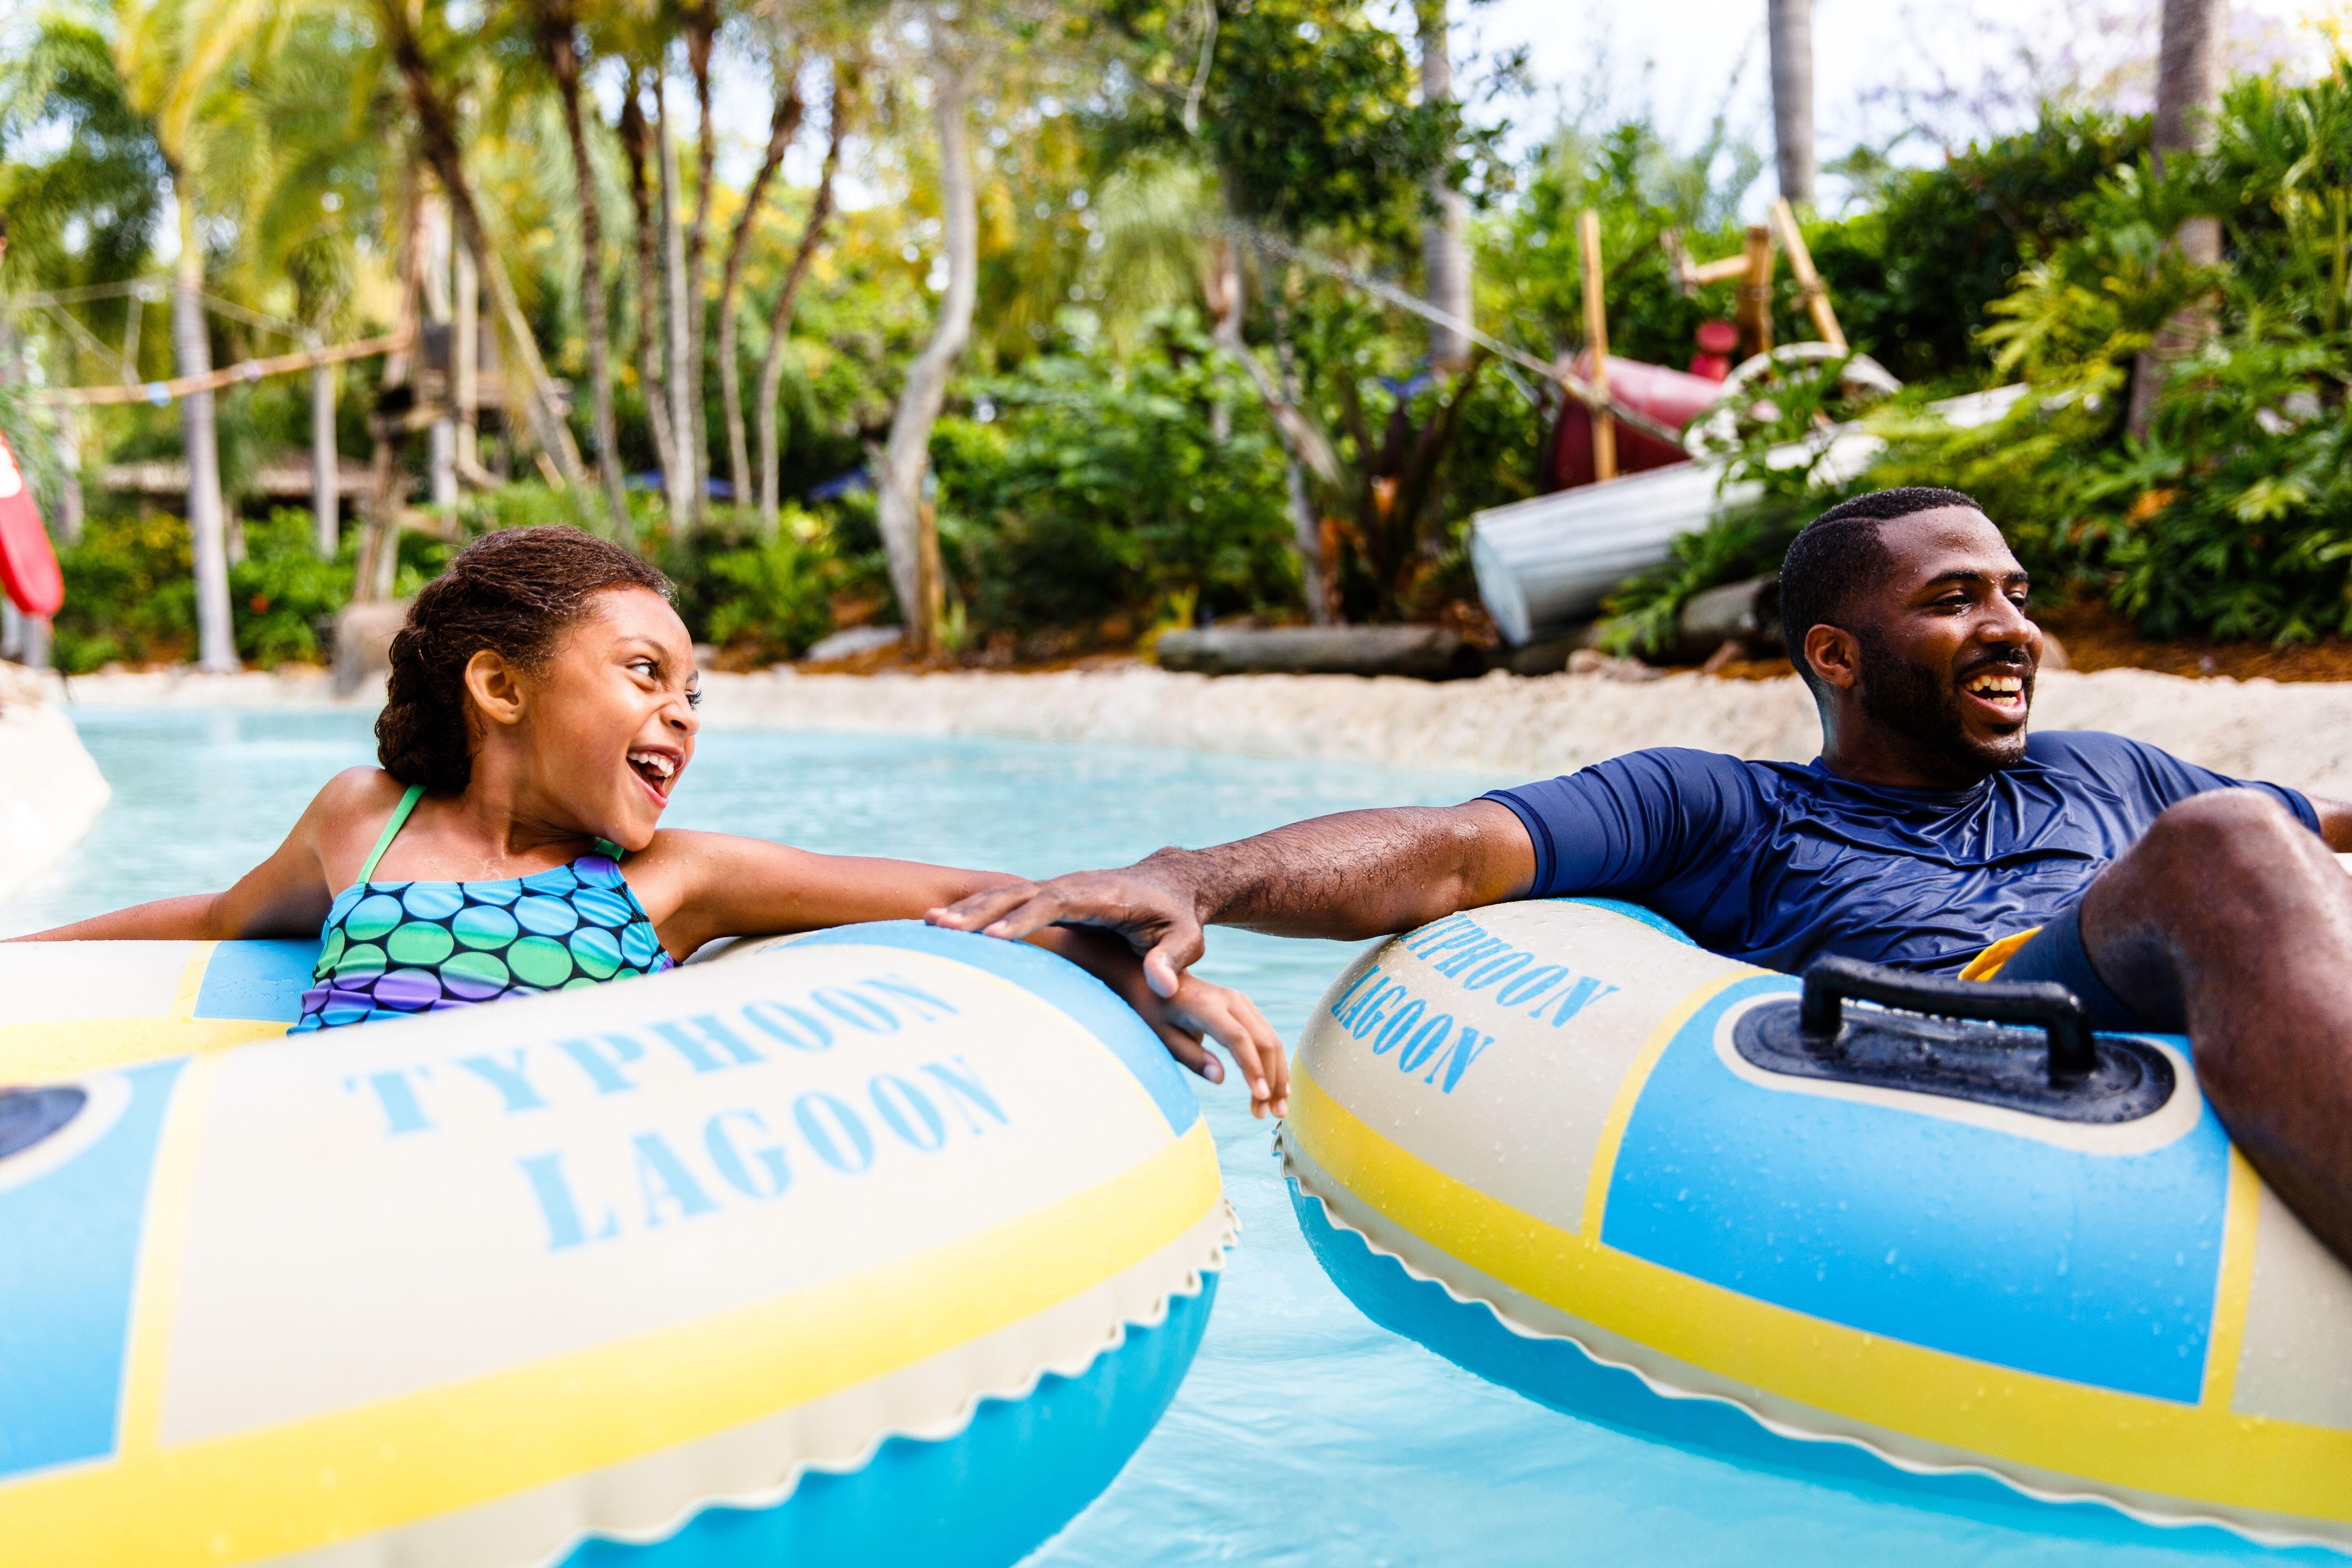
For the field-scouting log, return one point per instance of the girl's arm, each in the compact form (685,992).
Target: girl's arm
(698,887)
(285,896)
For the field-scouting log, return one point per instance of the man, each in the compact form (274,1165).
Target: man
(1930,834)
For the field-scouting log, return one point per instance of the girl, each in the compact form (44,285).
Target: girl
(540,711)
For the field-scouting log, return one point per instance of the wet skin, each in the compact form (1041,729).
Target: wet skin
(589,743)
(2228,918)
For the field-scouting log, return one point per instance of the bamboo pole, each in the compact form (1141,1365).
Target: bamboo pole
(1756,294)
(1596,336)
(162,392)
(1810,287)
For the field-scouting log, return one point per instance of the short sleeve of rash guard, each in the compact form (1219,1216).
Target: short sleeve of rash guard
(2149,777)
(1633,822)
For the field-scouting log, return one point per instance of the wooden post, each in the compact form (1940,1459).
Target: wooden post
(465,363)
(1596,335)
(1756,294)
(1809,288)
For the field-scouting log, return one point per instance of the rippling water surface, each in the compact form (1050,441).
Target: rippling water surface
(1305,1433)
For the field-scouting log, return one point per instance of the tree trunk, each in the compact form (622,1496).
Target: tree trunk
(2188,84)
(326,472)
(1445,238)
(904,519)
(701,34)
(636,145)
(441,439)
(783,126)
(780,319)
(1790,25)
(215,637)
(557,30)
(437,136)
(1303,445)
(681,479)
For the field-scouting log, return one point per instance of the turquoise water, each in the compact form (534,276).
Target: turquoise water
(1305,1433)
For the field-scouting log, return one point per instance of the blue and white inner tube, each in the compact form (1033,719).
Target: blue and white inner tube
(1573,1153)
(886,1244)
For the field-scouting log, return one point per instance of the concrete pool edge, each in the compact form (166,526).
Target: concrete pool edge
(2296,733)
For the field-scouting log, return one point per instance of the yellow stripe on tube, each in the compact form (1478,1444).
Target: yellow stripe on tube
(309,1482)
(1962,1412)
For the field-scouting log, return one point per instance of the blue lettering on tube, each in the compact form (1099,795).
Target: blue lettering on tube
(662,1178)
(1368,1017)
(699,1054)
(1397,1027)
(1497,971)
(1484,948)
(1347,1019)
(603,1063)
(862,1012)
(1469,933)
(806,1112)
(554,1194)
(1581,995)
(894,1117)
(1424,1043)
(1466,1048)
(507,1077)
(964,1090)
(1528,986)
(802,1031)
(402,1113)
(1417,941)
(907,990)
(729,1159)
(1354,986)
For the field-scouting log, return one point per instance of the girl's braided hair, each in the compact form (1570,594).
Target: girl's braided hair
(514,593)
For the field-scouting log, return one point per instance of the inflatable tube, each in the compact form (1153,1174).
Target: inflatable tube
(1551,1142)
(886,1244)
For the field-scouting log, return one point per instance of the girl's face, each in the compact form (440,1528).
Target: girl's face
(609,722)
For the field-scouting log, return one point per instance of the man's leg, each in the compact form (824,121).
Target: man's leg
(2233,917)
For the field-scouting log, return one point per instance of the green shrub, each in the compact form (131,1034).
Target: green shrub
(1102,487)
(777,595)
(281,592)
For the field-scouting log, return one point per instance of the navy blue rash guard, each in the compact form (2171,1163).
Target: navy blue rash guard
(1777,863)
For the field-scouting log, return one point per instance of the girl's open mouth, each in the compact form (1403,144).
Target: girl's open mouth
(655,770)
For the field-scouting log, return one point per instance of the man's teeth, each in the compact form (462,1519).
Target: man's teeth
(1997,686)
(662,766)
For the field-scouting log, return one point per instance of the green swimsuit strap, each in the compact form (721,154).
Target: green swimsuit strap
(399,815)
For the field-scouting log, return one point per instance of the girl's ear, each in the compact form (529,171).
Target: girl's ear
(495,688)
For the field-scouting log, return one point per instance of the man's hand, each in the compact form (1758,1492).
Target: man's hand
(1151,904)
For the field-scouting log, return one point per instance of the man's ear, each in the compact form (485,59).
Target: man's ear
(495,688)
(1833,651)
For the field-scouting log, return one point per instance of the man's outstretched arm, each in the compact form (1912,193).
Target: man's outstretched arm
(1357,874)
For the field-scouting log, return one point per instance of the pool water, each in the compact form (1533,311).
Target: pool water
(1305,1433)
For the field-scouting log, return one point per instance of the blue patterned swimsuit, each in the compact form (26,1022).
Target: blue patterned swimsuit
(395,948)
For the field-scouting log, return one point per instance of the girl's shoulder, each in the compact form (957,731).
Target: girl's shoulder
(345,816)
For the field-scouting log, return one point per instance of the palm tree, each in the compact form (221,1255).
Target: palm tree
(1789,24)
(841,115)
(2187,82)
(178,61)
(556,29)
(783,124)
(1445,239)
(701,22)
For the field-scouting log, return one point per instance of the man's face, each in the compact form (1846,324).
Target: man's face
(1947,657)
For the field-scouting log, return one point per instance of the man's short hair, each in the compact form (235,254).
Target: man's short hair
(1839,552)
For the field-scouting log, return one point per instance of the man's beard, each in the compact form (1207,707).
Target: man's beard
(1923,705)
